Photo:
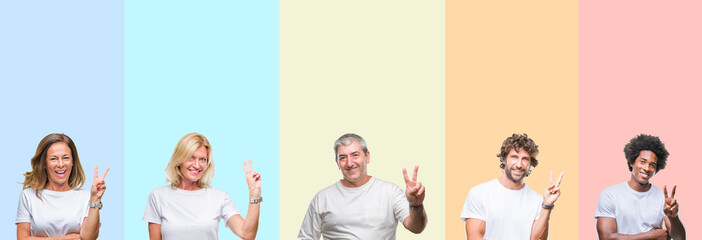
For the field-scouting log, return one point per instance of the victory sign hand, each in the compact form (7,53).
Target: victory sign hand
(98,188)
(671,204)
(415,190)
(553,191)
(253,179)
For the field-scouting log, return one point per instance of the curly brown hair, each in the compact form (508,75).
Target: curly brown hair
(516,142)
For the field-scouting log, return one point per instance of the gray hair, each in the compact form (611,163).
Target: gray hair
(346,140)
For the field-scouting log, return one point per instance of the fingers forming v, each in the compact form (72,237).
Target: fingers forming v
(105,173)
(414,176)
(665,191)
(404,173)
(558,183)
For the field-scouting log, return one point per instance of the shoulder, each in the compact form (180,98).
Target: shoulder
(28,192)
(161,190)
(217,193)
(384,184)
(216,190)
(613,190)
(533,196)
(656,193)
(483,187)
(82,192)
(334,188)
(655,190)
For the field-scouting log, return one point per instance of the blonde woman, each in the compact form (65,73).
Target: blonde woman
(52,205)
(189,208)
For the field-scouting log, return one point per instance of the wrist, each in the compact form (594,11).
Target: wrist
(417,207)
(547,206)
(97,205)
(255,200)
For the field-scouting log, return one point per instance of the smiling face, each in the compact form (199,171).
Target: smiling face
(59,162)
(193,168)
(517,165)
(352,162)
(644,167)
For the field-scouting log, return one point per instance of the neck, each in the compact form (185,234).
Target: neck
(637,186)
(349,184)
(189,186)
(509,184)
(57,187)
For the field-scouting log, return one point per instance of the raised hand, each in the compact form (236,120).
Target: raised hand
(415,190)
(253,179)
(553,191)
(671,204)
(98,187)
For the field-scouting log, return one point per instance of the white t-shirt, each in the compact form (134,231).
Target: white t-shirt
(508,214)
(370,211)
(189,214)
(55,214)
(635,212)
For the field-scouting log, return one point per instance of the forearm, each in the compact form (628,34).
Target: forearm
(677,230)
(618,236)
(417,220)
(250,225)
(91,227)
(540,228)
(67,237)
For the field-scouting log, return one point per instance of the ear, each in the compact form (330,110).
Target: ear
(367,157)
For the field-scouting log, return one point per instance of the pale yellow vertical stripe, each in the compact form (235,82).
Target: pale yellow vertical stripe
(375,68)
(511,67)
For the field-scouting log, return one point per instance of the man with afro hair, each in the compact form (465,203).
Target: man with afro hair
(636,209)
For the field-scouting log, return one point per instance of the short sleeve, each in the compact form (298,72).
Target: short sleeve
(538,200)
(473,207)
(23,206)
(400,204)
(85,197)
(152,213)
(605,205)
(311,228)
(228,208)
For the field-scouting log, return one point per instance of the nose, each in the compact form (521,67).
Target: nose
(197,163)
(60,163)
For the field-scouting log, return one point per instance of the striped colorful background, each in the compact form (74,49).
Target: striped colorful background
(437,84)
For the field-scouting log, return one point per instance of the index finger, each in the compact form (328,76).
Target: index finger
(551,177)
(404,173)
(665,191)
(246,169)
(558,183)
(414,177)
(250,165)
(672,195)
(104,174)
(96,170)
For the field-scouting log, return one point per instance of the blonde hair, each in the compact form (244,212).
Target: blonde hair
(183,151)
(37,179)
